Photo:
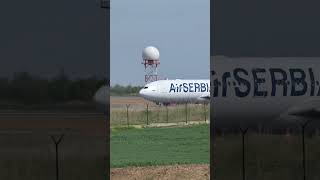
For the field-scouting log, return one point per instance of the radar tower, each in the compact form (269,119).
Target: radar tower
(151,61)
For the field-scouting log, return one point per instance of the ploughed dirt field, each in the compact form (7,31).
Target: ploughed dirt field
(134,100)
(91,122)
(119,102)
(174,172)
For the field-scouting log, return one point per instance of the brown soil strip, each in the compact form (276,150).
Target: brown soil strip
(176,172)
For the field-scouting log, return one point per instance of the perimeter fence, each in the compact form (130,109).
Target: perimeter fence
(131,114)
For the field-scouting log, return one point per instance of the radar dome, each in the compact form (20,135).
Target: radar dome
(150,53)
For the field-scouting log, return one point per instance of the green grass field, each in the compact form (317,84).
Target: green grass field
(160,146)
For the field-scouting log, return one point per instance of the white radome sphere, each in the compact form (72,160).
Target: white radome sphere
(150,53)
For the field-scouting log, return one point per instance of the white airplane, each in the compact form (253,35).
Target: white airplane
(250,91)
(177,91)
(247,91)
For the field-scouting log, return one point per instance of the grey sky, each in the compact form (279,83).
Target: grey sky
(41,38)
(286,28)
(180,29)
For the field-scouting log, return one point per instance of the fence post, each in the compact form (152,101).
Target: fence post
(147,114)
(56,143)
(167,114)
(158,114)
(127,105)
(303,126)
(186,113)
(205,115)
(243,134)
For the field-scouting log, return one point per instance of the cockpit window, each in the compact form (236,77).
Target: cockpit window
(145,87)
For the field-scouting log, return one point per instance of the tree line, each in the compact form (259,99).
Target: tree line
(118,90)
(30,89)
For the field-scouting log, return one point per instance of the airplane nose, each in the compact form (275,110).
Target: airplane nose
(101,95)
(101,98)
(141,92)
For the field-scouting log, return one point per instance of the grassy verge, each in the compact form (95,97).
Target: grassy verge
(160,146)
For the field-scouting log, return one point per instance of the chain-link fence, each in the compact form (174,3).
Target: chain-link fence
(273,153)
(45,145)
(128,114)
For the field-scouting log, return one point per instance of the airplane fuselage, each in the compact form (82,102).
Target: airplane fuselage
(177,91)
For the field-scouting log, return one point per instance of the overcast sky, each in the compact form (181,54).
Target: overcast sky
(272,28)
(180,29)
(42,37)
